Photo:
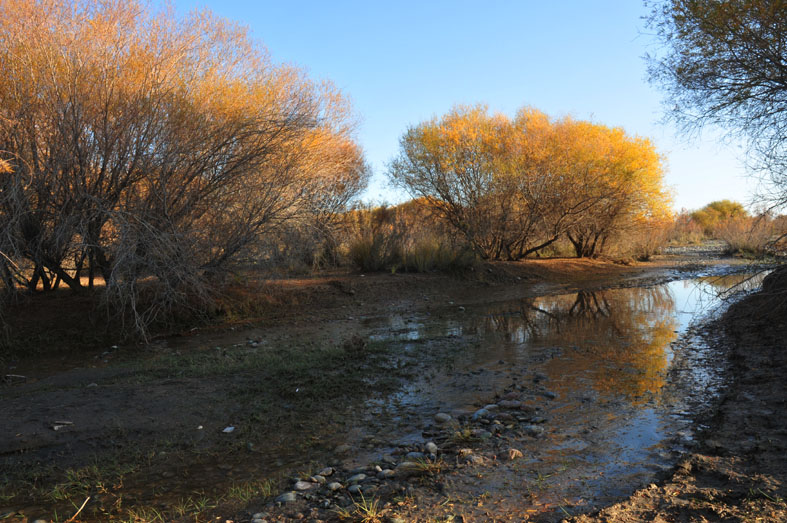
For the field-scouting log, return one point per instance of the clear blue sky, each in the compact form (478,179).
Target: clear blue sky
(402,62)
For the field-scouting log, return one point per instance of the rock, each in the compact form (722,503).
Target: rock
(475,460)
(356,478)
(431,448)
(354,489)
(514,454)
(491,406)
(386,474)
(334,486)
(387,458)
(302,485)
(512,395)
(327,471)
(318,479)
(481,434)
(287,497)
(480,413)
(533,430)
(342,449)
(411,456)
(463,453)
(408,468)
(539,377)
(378,468)
(442,417)
(510,404)
(538,420)
(259,515)
(548,394)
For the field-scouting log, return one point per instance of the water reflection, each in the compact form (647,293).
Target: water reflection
(616,340)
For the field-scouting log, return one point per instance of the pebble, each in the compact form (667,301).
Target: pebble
(480,413)
(475,460)
(549,394)
(357,478)
(431,448)
(318,479)
(510,404)
(334,486)
(327,471)
(343,449)
(533,430)
(442,417)
(481,434)
(287,497)
(303,485)
(407,468)
(386,474)
(410,456)
(463,453)
(354,489)
(259,515)
(387,458)
(491,406)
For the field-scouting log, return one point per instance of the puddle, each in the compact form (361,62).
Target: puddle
(616,376)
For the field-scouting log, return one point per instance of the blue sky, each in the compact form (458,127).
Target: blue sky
(402,62)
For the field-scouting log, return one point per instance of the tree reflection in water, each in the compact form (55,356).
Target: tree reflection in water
(615,342)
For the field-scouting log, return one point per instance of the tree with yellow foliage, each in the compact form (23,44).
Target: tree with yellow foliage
(142,144)
(513,187)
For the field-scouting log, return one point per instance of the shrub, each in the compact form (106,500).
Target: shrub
(748,236)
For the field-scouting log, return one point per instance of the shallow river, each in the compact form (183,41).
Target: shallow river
(614,376)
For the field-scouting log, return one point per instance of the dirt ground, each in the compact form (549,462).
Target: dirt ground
(139,429)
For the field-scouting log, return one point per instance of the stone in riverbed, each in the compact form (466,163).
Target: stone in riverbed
(334,486)
(408,468)
(318,479)
(343,449)
(386,474)
(510,404)
(441,417)
(327,471)
(302,485)
(287,497)
(357,478)
(431,448)
(412,456)
(354,489)
(479,414)
(533,430)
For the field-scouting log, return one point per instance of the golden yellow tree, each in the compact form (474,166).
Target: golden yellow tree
(513,187)
(142,144)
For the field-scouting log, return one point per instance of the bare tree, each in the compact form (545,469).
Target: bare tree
(725,63)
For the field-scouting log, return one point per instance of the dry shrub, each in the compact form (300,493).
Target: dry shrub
(747,236)
(405,238)
(685,230)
